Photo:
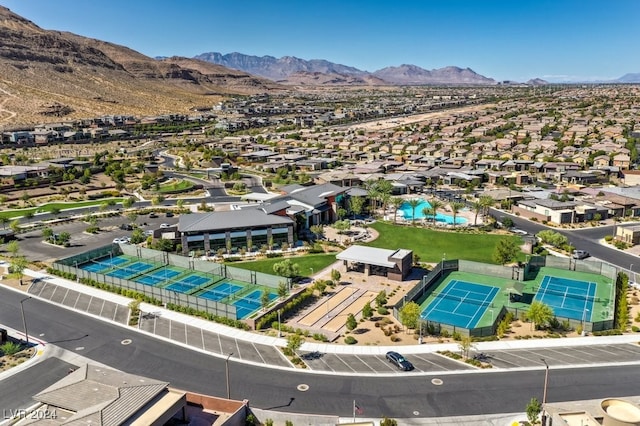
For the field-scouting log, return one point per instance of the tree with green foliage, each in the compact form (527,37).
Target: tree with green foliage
(342,226)
(18,265)
(317,231)
(138,236)
(283,289)
(351,323)
(409,315)
(163,244)
(132,216)
(264,299)
(539,314)
(64,238)
(381,299)
(15,225)
(396,203)
(55,210)
(456,206)
(367,310)
(13,247)
(533,409)
(47,233)
(388,422)
(477,207)
(506,251)
(413,203)
(487,202)
(356,204)
(294,341)
(435,206)
(466,345)
(335,275)
(286,268)
(128,202)
(4,220)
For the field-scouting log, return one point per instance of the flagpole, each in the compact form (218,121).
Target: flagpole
(354,410)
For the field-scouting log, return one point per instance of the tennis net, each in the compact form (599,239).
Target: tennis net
(464,299)
(567,293)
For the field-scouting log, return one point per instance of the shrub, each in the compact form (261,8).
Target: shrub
(383,311)
(350,340)
(608,238)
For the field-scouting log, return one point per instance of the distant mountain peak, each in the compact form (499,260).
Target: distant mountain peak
(291,69)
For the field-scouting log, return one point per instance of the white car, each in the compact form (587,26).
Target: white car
(165,225)
(518,231)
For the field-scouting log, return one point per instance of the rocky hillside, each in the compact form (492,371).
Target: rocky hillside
(50,75)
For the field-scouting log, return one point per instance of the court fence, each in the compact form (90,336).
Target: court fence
(72,265)
(518,272)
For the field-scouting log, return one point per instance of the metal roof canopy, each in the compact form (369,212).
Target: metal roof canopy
(368,255)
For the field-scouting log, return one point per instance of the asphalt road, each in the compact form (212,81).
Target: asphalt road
(583,239)
(408,396)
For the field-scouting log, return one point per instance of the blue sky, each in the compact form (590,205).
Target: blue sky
(557,40)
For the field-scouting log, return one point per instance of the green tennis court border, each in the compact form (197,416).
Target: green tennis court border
(601,317)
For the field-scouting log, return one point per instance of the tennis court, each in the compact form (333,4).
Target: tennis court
(103,264)
(250,303)
(221,291)
(158,276)
(460,303)
(567,297)
(188,283)
(128,271)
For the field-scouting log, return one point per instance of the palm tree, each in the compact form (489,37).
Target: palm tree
(456,206)
(413,203)
(372,194)
(477,208)
(435,206)
(486,201)
(396,203)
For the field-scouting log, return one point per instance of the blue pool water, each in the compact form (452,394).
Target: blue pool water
(408,213)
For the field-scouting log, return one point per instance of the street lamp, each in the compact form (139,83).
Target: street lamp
(544,392)
(24,321)
(584,317)
(226,366)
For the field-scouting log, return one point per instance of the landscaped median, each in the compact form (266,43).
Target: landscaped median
(56,207)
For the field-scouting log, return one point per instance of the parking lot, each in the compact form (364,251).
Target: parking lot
(33,247)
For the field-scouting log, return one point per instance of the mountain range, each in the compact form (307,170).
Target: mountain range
(292,70)
(54,74)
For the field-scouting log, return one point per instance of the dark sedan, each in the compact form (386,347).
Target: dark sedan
(399,361)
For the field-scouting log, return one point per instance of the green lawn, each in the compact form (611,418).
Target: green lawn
(11,214)
(305,263)
(431,245)
(183,185)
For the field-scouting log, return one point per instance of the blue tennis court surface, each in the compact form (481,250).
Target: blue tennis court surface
(156,277)
(103,264)
(221,291)
(460,304)
(128,271)
(188,283)
(568,298)
(250,303)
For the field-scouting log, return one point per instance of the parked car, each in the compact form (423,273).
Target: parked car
(518,231)
(399,361)
(165,225)
(153,215)
(169,214)
(580,254)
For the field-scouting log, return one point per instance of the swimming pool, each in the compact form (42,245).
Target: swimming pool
(408,213)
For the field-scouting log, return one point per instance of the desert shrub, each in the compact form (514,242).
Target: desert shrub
(350,340)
